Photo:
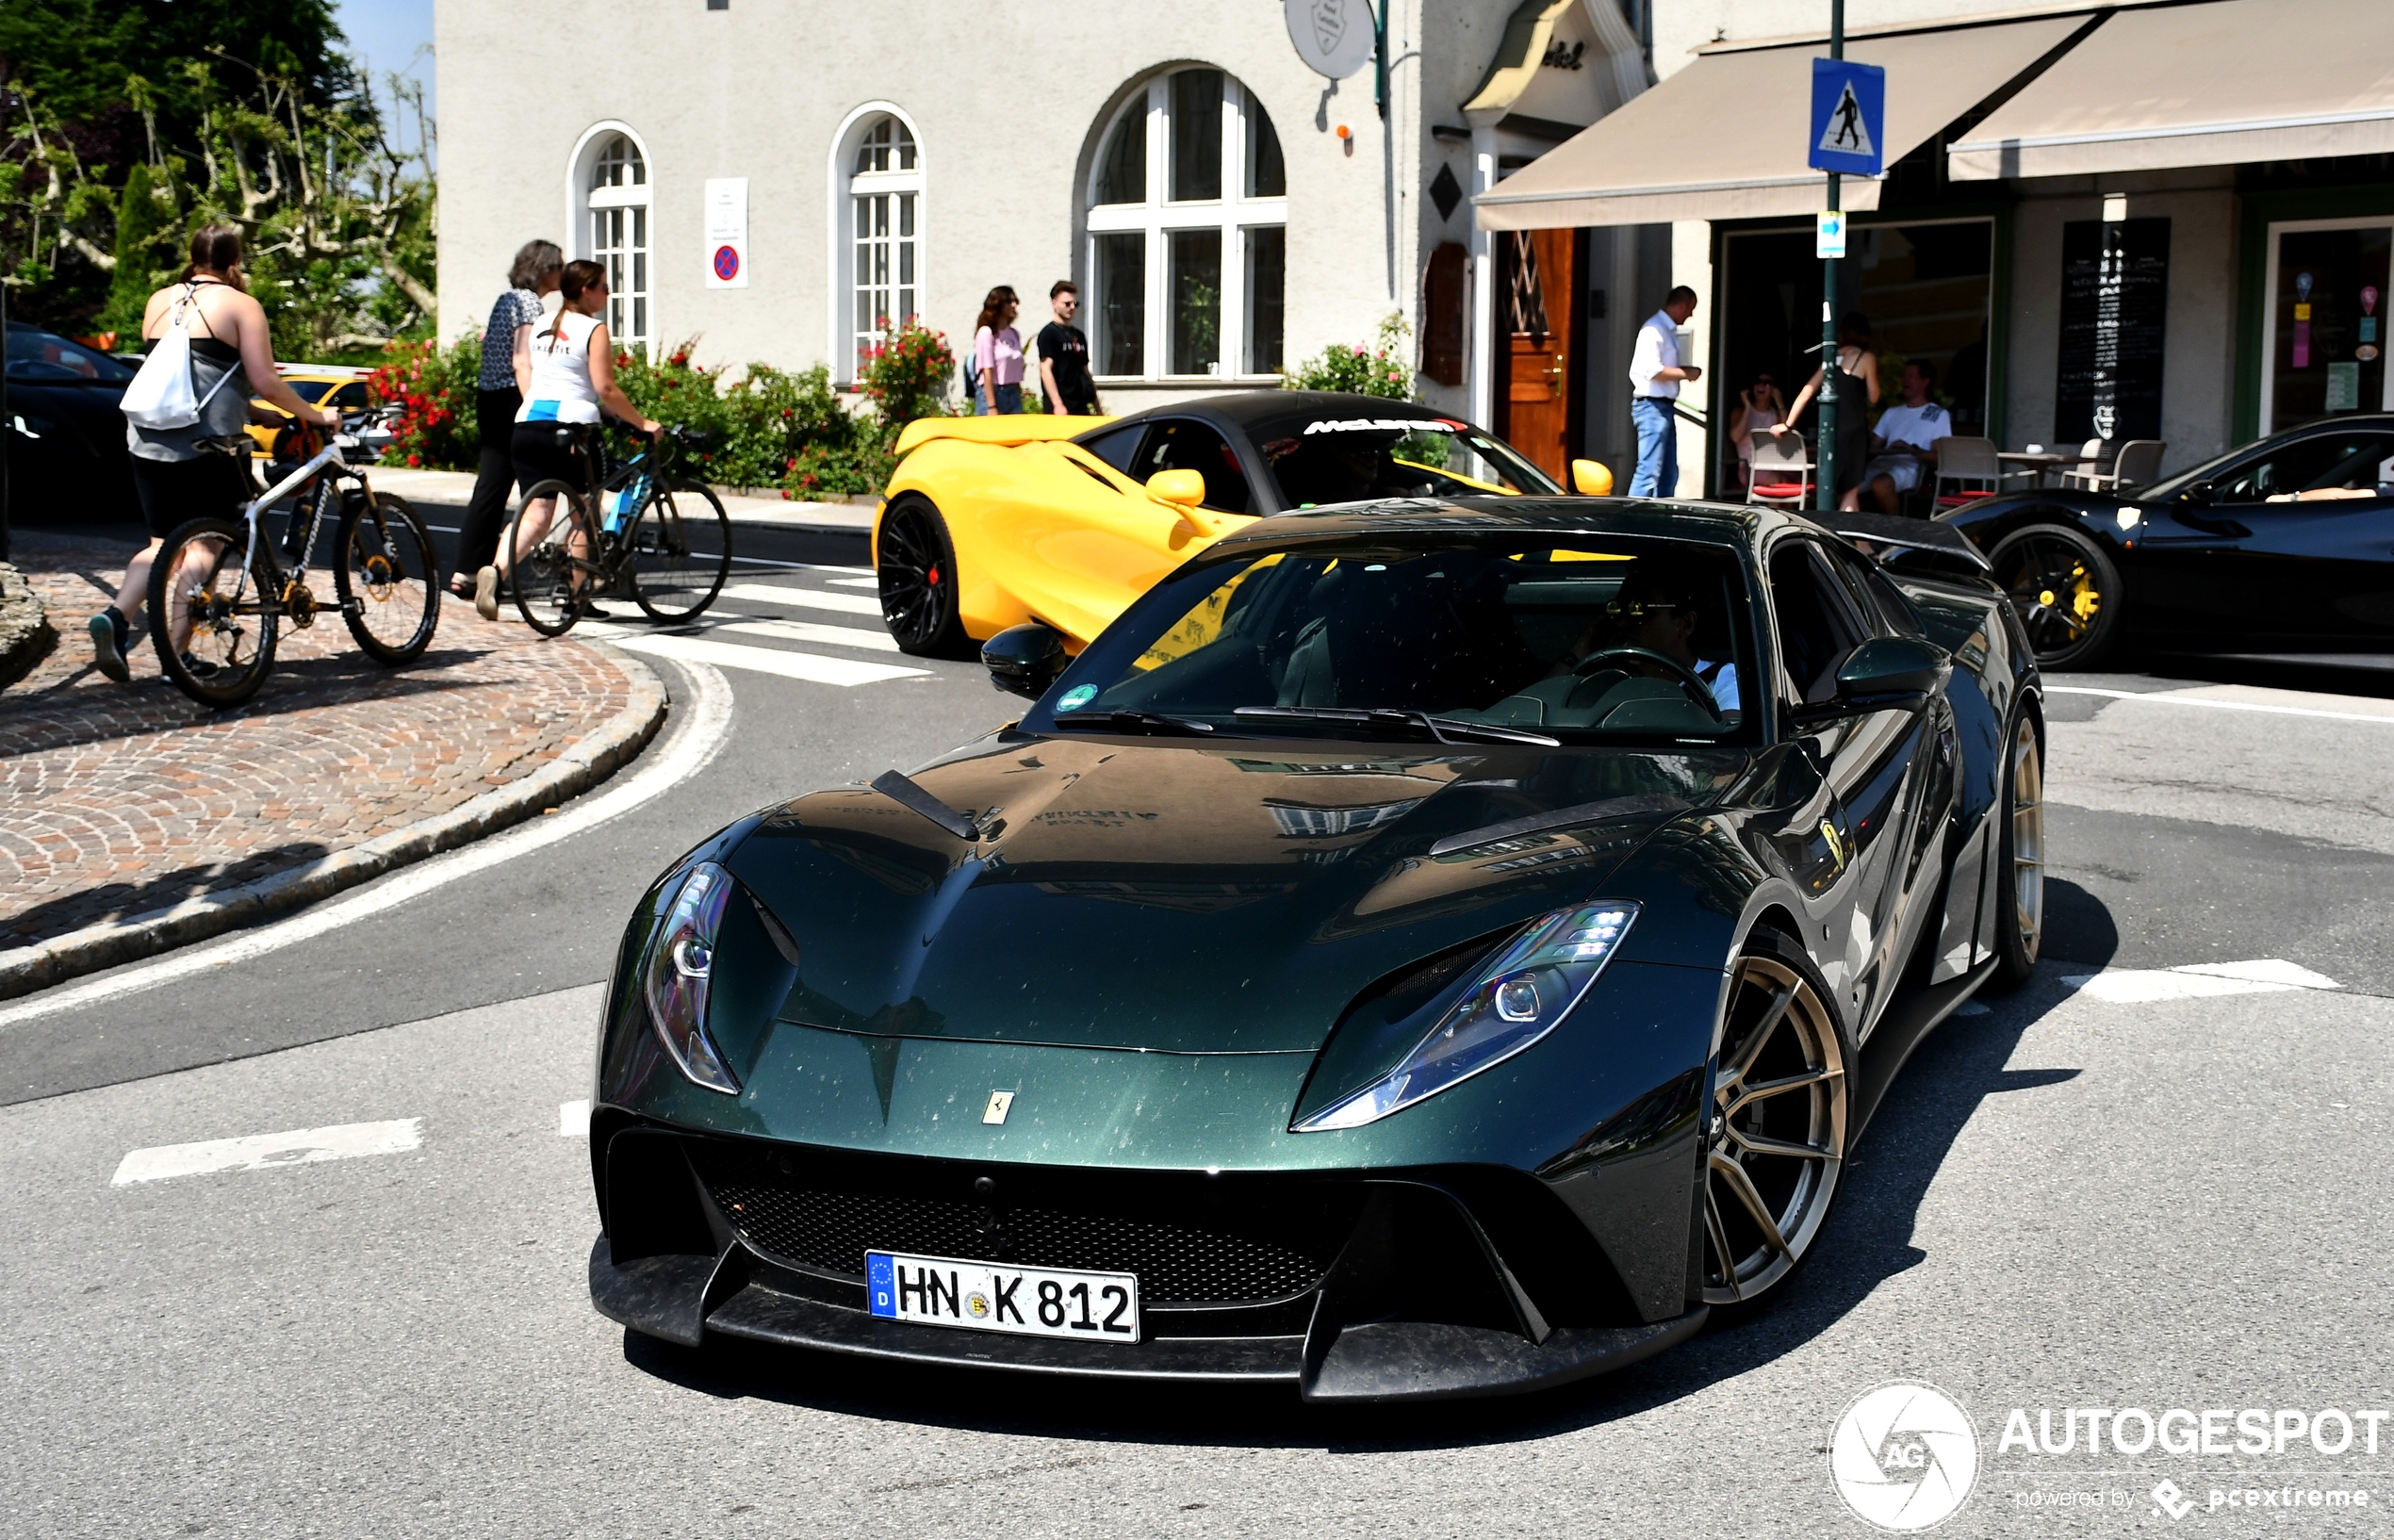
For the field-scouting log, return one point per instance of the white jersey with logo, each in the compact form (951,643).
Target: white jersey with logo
(561,389)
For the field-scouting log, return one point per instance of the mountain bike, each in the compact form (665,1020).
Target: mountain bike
(221,589)
(634,529)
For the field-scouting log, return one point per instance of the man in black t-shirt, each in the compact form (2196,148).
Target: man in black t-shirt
(1063,356)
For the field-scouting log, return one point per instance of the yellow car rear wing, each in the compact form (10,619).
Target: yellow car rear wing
(1020,428)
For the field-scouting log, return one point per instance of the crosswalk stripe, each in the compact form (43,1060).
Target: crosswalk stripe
(812,598)
(873,582)
(790,665)
(807,631)
(258,1152)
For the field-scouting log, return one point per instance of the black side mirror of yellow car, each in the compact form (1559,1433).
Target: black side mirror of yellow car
(1025,660)
(1590,479)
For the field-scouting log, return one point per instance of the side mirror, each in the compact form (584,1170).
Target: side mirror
(1025,660)
(1590,479)
(1186,488)
(1891,671)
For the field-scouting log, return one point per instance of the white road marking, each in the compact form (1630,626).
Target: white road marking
(699,729)
(573,1118)
(2173,698)
(812,598)
(808,631)
(2198,981)
(792,666)
(261,1152)
(856,582)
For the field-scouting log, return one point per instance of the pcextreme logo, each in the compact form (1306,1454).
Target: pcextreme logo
(1904,1457)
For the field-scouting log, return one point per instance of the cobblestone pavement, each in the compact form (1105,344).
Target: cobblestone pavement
(117,801)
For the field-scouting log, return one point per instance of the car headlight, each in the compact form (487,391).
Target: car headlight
(676,972)
(1517,999)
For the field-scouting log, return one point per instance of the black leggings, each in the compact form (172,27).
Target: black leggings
(487,513)
(173,492)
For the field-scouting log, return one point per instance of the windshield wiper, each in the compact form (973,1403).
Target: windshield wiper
(1445,729)
(1151,722)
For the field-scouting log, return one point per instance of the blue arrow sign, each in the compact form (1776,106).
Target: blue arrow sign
(1849,117)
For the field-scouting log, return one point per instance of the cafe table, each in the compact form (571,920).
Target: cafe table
(2036,462)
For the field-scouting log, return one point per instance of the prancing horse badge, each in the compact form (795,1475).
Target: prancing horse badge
(999,1102)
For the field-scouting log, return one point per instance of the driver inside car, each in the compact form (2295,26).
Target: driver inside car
(1656,610)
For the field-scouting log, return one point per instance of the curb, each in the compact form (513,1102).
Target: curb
(578,769)
(27,636)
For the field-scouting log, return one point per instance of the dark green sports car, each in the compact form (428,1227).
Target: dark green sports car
(1426,948)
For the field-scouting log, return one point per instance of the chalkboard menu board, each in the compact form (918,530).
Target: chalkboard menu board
(2115,297)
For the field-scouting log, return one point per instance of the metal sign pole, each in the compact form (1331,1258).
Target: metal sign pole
(1824,491)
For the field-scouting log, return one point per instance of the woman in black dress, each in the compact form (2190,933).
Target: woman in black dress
(1857,387)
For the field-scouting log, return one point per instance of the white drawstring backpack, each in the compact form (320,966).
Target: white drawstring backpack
(160,396)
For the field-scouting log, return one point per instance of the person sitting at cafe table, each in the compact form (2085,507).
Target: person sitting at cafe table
(1906,438)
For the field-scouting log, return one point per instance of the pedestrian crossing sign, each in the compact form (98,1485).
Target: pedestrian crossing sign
(1849,117)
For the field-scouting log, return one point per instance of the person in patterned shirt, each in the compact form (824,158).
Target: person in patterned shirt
(498,393)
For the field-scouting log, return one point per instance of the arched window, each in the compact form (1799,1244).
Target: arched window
(617,195)
(1188,237)
(884,279)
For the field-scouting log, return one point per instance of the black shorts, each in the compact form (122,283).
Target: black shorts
(538,456)
(174,492)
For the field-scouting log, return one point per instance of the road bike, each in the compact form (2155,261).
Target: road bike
(221,589)
(634,530)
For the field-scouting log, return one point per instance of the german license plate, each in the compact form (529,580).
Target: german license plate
(988,1297)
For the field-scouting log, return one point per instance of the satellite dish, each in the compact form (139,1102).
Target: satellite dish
(1335,38)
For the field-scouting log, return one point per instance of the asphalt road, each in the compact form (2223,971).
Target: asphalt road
(2132,1192)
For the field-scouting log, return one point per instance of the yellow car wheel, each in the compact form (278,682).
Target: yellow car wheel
(2066,590)
(916,562)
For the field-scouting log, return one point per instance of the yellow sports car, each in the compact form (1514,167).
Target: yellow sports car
(990,522)
(328,386)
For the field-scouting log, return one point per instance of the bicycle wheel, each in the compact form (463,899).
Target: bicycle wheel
(202,590)
(387,576)
(679,550)
(548,580)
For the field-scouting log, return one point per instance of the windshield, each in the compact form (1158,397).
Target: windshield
(38,356)
(1319,459)
(1585,639)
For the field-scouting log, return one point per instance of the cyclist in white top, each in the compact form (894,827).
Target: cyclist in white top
(567,371)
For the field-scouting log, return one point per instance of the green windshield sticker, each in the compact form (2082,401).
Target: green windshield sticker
(1077,697)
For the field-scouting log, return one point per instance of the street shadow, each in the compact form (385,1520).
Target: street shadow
(2078,927)
(2315,674)
(129,900)
(1868,1241)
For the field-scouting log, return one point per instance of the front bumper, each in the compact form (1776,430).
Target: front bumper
(1375,1287)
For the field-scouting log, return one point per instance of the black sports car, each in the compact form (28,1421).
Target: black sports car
(67,462)
(1436,947)
(2286,544)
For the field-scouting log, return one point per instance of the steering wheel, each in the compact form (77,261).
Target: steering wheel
(1698,691)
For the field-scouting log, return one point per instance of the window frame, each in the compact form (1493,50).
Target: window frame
(845,185)
(1155,220)
(2267,363)
(585,206)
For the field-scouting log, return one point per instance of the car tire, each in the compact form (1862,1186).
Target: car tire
(1762,1208)
(2066,590)
(2020,858)
(916,564)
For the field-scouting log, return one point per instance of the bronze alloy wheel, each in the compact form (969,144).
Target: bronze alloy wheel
(917,567)
(1775,1140)
(2021,855)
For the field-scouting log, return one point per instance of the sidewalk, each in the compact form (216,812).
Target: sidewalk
(453,487)
(133,819)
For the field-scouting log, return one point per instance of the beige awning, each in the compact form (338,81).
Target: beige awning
(2203,85)
(1724,138)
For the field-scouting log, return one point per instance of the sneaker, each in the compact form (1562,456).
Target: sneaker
(107,645)
(486,593)
(588,609)
(199,667)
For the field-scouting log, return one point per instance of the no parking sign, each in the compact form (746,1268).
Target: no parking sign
(726,232)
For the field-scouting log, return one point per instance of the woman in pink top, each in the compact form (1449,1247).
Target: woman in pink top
(997,354)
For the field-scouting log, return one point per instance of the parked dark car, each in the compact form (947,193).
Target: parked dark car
(1434,948)
(66,432)
(2283,544)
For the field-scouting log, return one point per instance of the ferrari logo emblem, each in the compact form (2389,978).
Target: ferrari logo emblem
(1000,1102)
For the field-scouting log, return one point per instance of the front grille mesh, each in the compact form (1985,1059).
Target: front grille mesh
(1175,1264)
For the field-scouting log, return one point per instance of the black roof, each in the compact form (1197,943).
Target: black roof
(1709,523)
(1246,407)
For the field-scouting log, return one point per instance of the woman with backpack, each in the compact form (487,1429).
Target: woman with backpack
(998,355)
(209,352)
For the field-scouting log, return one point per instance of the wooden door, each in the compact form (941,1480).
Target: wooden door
(1535,307)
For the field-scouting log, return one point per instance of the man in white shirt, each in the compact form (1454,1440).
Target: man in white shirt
(1906,437)
(1655,376)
